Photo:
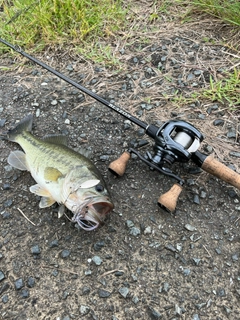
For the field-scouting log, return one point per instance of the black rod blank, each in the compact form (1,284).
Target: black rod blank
(78,86)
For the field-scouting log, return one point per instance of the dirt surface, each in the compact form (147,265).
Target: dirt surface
(143,263)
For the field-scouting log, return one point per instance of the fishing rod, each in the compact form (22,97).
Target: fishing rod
(174,141)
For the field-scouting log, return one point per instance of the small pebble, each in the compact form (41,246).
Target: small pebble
(203,194)
(67,121)
(218,122)
(129,223)
(5,298)
(65,295)
(190,77)
(84,310)
(148,230)
(234,154)
(154,314)
(54,102)
(8,203)
(53,243)
(30,282)
(65,253)
(135,231)
(6,186)
(135,299)
(104,158)
(55,273)
(231,134)
(24,293)
(103,293)
(221,292)
(97,260)
(196,261)
(170,247)
(85,290)
(18,284)
(235,257)
(186,272)
(35,250)
(196,317)
(166,287)
(123,292)
(88,272)
(38,113)
(189,227)
(69,67)
(2,276)
(2,122)
(196,199)
(98,245)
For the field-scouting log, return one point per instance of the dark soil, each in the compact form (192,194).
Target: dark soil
(143,263)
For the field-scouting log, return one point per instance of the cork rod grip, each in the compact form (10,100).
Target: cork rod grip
(221,171)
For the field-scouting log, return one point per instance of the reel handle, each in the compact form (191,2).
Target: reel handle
(168,200)
(118,167)
(216,168)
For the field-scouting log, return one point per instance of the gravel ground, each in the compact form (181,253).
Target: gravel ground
(143,263)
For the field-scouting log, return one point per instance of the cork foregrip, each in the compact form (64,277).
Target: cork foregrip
(119,166)
(221,171)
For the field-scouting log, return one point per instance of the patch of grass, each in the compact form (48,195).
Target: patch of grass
(37,24)
(102,54)
(225,91)
(227,10)
(160,7)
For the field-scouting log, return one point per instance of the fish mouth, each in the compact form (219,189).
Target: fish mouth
(92,215)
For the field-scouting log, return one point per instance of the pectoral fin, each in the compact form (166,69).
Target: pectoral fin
(39,191)
(46,202)
(52,174)
(17,159)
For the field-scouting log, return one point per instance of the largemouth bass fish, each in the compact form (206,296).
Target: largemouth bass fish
(62,175)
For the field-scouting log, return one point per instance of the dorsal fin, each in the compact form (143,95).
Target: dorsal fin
(56,139)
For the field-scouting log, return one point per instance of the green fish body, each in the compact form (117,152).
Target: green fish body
(62,175)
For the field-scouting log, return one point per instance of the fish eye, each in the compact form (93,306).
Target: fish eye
(99,188)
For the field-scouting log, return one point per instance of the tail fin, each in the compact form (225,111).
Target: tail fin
(23,125)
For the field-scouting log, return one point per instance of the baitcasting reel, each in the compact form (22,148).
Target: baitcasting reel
(175,141)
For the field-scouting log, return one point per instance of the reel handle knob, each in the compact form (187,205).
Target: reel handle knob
(118,167)
(168,200)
